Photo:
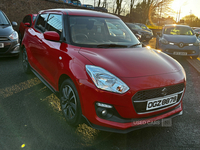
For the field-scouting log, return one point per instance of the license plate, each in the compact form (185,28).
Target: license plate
(153,104)
(1,45)
(180,53)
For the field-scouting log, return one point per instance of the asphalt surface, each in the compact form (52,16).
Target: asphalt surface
(30,118)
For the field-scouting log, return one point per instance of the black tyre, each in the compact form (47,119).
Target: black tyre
(157,47)
(157,43)
(25,63)
(17,56)
(70,103)
(20,38)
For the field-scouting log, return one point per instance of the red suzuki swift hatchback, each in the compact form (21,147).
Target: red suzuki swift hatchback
(108,79)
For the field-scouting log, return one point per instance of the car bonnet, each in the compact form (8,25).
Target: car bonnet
(5,30)
(180,38)
(131,62)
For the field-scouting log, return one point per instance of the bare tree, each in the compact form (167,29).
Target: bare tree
(105,4)
(131,5)
(99,2)
(118,7)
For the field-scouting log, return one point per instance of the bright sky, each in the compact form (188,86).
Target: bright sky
(190,6)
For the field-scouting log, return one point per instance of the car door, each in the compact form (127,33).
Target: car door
(52,49)
(36,45)
(22,26)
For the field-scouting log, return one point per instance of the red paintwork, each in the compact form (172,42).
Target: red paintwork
(139,68)
(23,26)
(124,62)
(52,36)
(27,24)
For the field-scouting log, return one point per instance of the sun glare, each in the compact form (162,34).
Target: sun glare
(177,4)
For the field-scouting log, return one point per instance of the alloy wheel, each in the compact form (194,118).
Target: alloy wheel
(68,102)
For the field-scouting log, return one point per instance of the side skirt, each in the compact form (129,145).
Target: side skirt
(45,82)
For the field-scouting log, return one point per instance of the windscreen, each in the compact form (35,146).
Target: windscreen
(93,31)
(134,26)
(178,30)
(3,19)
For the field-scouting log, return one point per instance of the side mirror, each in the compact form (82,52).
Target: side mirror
(14,24)
(27,24)
(52,36)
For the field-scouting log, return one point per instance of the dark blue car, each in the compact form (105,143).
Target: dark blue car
(178,40)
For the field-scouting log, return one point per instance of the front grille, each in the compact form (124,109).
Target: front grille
(141,98)
(175,50)
(4,39)
(2,50)
(6,44)
(154,93)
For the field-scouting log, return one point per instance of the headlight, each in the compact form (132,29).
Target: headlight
(105,80)
(197,43)
(183,70)
(14,35)
(164,41)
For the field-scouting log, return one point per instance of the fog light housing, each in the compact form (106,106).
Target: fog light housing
(16,48)
(104,113)
(104,110)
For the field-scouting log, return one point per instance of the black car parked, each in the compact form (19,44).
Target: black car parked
(137,30)
(9,43)
(100,9)
(144,27)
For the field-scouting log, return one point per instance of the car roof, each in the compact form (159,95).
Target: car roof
(140,24)
(80,12)
(178,25)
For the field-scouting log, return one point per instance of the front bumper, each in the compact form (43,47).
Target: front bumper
(139,124)
(146,37)
(170,49)
(124,115)
(10,48)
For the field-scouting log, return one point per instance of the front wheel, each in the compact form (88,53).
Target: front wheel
(70,103)
(26,66)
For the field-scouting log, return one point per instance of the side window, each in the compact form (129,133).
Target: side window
(143,27)
(54,23)
(41,22)
(29,20)
(25,19)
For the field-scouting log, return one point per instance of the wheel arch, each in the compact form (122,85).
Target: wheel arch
(62,78)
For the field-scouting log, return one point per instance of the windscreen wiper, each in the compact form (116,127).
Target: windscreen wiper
(2,24)
(135,45)
(110,45)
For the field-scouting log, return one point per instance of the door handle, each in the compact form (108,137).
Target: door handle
(40,41)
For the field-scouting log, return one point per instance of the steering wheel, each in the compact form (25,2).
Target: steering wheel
(81,36)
